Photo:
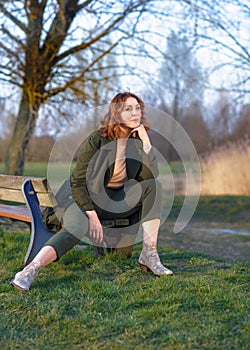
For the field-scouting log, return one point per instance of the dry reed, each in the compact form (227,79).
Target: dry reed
(226,170)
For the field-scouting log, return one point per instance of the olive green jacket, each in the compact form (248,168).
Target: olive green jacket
(95,167)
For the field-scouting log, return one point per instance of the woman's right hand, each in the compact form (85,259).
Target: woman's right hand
(95,226)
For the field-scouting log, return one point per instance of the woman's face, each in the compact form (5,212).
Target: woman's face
(131,113)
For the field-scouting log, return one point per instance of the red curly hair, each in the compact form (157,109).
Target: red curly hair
(111,125)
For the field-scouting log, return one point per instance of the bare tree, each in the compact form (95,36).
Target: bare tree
(38,44)
(39,148)
(40,39)
(196,127)
(222,32)
(221,119)
(181,79)
(241,128)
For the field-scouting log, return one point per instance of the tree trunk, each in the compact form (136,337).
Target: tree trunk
(24,128)
(175,112)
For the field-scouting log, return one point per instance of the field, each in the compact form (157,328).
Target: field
(84,302)
(226,170)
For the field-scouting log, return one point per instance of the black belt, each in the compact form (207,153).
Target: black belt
(115,223)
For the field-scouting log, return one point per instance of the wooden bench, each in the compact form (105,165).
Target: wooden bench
(22,199)
(11,190)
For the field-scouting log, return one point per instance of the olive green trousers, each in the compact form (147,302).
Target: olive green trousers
(121,212)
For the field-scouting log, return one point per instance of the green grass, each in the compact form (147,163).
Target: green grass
(83,302)
(38,169)
(35,169)
(232,209)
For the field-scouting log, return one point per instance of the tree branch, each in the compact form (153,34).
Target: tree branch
(10,81)
(58,29)
(72,81)
(11,53)
(12,37)
(84,4)
(13,18)
(104,33)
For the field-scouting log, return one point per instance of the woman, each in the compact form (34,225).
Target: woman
(115,176)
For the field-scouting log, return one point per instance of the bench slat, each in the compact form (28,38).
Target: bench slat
(11,191)
(40,184)
(11,195)
(45,199)
(20,213)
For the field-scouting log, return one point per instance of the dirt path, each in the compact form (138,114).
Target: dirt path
(210,238)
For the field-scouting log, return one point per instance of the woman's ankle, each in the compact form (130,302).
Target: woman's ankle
(149,245)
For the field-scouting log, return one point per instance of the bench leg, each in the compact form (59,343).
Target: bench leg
(38,237)
(39,234)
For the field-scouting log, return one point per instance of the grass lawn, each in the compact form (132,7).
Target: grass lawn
(83,302)
(227,209)
(38,169)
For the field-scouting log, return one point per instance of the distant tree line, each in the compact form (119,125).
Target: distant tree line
(59,56)
(223,126)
